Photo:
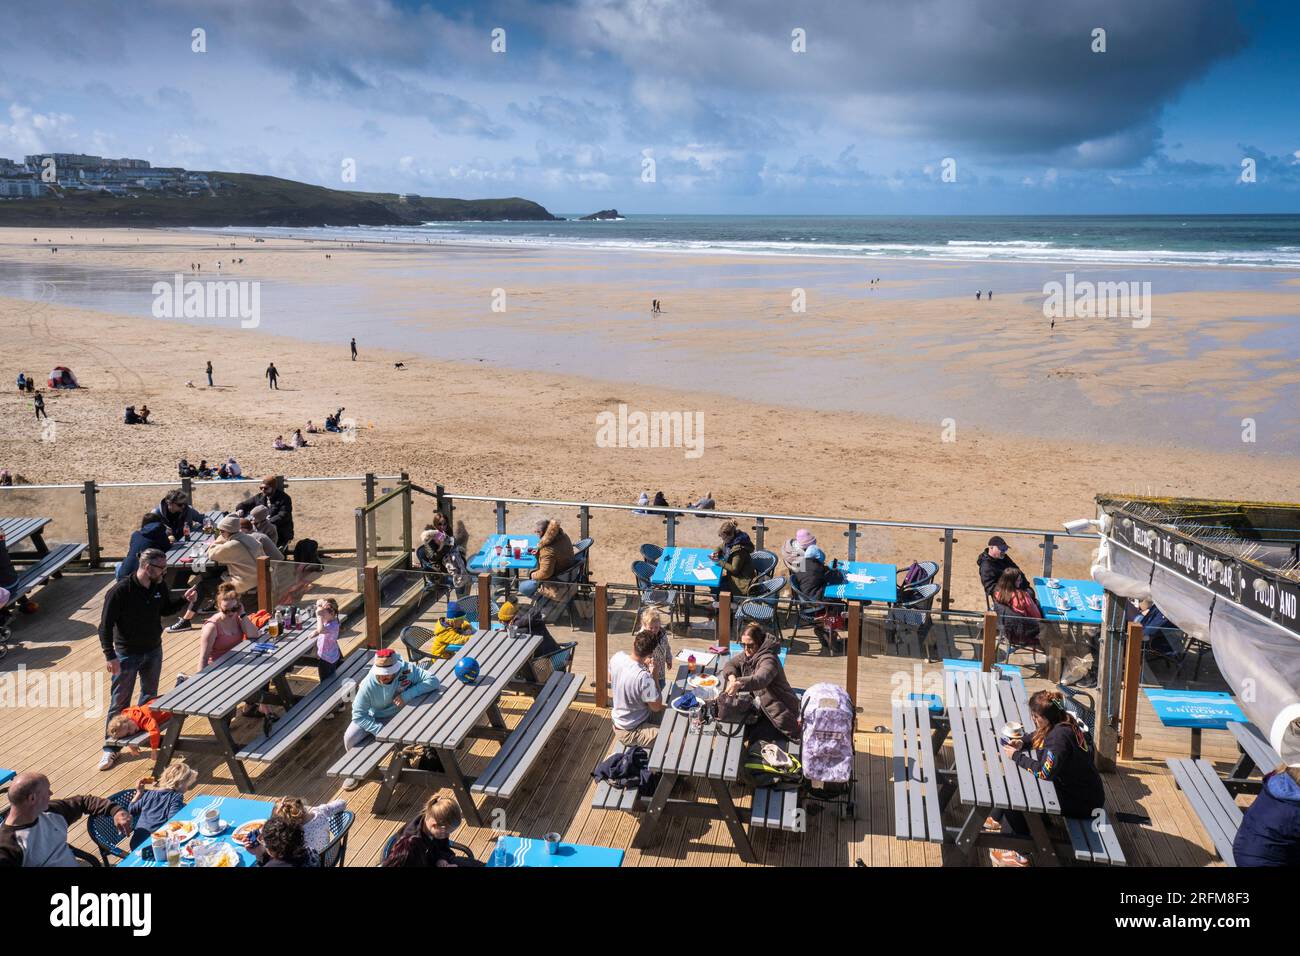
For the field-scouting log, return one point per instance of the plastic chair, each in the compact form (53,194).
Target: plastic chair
(458,848)
(108,839)
(337,849)
(651,553)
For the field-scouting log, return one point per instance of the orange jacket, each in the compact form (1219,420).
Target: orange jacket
(146,718)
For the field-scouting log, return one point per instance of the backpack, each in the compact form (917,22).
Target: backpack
(454,565)
(767,765)
(913,575)
(826,719)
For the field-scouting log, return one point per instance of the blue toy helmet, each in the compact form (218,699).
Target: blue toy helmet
(467,670)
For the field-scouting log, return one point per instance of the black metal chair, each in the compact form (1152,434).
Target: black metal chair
(651,553)
(337,849)
(414,637)
(764,564)
(760,606)
(912,610)
(650,596)
(108,839)
(458,848)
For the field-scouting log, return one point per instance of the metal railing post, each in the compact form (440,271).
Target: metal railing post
(92,522)
(584,522)
(502,511)
(359,517)
(759,529)
(946,600)
(407,541)
(372,527)
(852,535)
(1048,547)
(671,534)
(187,486)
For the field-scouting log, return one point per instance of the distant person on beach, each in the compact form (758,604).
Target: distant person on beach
(31,383)
(977,295)
(232,466)
(298,440)
(705,503)
(144,416)
(39,401)
(354,350)
(22,382)
(273,377)
(280,444)
(311,428)
(990,294)
(209,371)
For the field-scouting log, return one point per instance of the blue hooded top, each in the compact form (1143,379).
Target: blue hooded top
(1270,831)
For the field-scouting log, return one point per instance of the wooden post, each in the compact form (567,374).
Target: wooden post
(989,652)
(485,601)
(1129,700)
(265,590)
(92,522)
(852,642)
(723,630)
(601,626)
(372,606)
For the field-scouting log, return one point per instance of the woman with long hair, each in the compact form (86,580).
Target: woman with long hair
(1063,757)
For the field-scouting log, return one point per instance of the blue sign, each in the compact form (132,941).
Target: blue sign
(1208,710)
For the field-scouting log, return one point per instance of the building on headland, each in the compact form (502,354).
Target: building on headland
(42,174)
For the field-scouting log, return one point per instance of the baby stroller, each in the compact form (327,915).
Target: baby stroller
(826,747)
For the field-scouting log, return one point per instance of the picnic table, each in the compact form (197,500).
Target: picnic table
(443,719)
(241,674)
(683,570)
(1198,709)
(487,559)
(864,581)
(18,530)
(1257,753)
(712,756)
(234,811)
(530,852)
(1073,595)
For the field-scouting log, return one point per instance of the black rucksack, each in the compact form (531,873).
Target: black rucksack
(307,551)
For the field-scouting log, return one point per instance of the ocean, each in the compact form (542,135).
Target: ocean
(1255,241)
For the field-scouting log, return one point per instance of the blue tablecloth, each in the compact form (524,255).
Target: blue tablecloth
(935,703)
(956,663)
(1077,593)
(234,810)
(884,590)
(526,851)
(1208,710)
(486,559)
(676,567)
(6,776)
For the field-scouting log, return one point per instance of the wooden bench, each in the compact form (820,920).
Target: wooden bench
(525,744)
(1210,800)
(918,810)
(1094,840)
(302,718)
(777,809)
(50,565)
(609,797)
(363,762)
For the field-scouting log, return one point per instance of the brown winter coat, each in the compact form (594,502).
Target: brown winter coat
(763,676)
(554,556)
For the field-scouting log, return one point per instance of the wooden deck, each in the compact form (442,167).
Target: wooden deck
(64,743)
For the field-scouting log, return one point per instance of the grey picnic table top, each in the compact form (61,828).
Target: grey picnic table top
(17,530)
(444,718)
(194,544)
(237,675)
(682,750)
(978,705)
(1255,745)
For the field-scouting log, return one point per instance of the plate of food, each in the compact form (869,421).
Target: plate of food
(188,851)
(244,832)
(180,830)
(704,680)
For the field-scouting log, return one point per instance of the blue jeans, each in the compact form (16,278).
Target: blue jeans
(528,588)
(148,666)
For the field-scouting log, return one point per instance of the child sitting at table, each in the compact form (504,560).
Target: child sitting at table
(152,805)
(315,821)
(426,840)
(449,632)
(135,719)
(327,638)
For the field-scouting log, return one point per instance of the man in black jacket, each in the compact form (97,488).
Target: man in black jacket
(130,634)
(993,561)
(35,831)
(177,514)
(279,508)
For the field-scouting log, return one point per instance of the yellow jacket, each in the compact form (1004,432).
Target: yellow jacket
(447,632)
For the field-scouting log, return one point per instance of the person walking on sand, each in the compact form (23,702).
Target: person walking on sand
(977,295)
(272,377)
(354,350)
(209,370)
(39,401)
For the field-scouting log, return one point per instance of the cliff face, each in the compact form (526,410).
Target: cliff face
(244,199)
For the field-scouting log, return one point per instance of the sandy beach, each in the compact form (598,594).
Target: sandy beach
(479,428)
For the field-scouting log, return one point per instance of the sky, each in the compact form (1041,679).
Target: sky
(943,107)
